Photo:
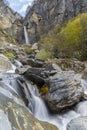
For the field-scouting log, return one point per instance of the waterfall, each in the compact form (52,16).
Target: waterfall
(26,35)
(40,111)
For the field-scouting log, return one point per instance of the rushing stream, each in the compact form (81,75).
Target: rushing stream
(40,111)
(37,105)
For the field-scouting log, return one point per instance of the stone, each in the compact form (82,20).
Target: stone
(71,64)
(22,70)
(84,74)
(5,64)
(65,90)
(34,46)
(79,123)
(45,72)
(34,62)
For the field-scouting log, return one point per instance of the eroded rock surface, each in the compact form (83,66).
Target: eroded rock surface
(78,124)
(64,91)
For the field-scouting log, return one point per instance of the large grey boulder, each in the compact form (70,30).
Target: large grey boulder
(78,124)
(64,91)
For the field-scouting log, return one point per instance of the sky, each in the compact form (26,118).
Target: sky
(20,5)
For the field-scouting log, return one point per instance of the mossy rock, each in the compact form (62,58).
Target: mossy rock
(28,50)
(44,89)
(9,55)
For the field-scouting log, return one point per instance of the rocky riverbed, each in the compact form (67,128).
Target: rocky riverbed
(13,112)
(60,97)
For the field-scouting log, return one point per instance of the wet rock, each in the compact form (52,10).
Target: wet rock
(40,76)
(45,72)
(78,124)
(39,81)
(13,81)
(64,91)
(17,63)
(52,69)
(84,74)
(81,108)
(22,70)
(15,115)
(34,62)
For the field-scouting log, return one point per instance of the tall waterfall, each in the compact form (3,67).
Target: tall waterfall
(40,111)
(26,35)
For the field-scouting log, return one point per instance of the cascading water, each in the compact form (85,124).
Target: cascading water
(37,105)
(39,109)
(26,35)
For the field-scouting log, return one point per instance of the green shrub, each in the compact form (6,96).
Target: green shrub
(43,54)
(64,42)
(28,50)
(9,55)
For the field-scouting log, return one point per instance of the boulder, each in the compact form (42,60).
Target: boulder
(78,124)
(35,46)
(40,76)
(64,91)
(34,62)
(5,64)
(45,72)
(22,70)
(71,64)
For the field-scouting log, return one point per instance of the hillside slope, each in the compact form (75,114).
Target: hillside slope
(44,14)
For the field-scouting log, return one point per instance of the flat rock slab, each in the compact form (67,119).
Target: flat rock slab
(5,64)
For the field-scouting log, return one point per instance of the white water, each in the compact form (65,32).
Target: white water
(12,70)
(39,110)
(26,35)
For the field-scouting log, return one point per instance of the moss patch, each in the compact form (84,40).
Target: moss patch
(44,90)
(9,55)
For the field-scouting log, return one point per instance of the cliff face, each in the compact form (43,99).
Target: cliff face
(44,14)
(10,22)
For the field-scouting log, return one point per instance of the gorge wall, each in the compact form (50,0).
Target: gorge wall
(11,22)
(44,14)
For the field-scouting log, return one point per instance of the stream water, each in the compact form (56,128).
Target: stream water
(40,111)
(38,107)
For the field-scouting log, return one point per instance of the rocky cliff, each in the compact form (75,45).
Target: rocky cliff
(10,22)
(44,14)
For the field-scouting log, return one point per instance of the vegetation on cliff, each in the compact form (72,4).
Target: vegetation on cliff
(69,41)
